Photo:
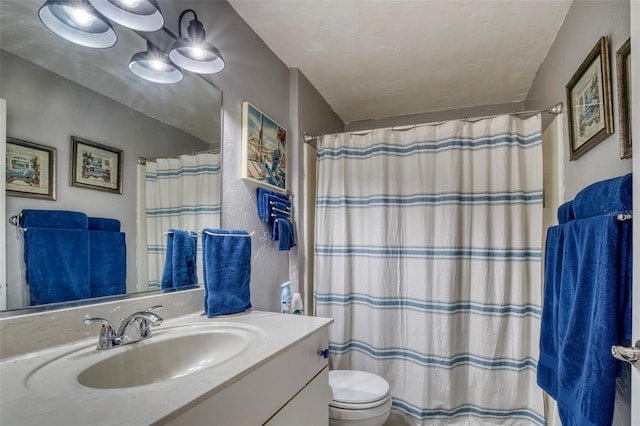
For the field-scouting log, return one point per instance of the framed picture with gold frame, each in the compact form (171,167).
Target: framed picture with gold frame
(589,101)
(31,170)
(95,166)
(623,67)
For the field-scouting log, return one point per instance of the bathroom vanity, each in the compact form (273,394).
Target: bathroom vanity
(251,369)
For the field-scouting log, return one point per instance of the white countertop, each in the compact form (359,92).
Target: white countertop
(70,403)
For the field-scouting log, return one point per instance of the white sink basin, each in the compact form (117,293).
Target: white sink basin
(169,354)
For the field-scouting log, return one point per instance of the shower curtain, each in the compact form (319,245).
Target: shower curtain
(427,256)
(182,193)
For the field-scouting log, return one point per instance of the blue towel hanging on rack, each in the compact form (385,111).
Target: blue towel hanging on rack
(227,271)
(587,306)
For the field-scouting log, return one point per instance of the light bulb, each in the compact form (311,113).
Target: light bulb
(157,65)
(131,3)
(82,17)
(197,52)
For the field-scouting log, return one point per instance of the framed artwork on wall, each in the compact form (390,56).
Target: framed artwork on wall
(95,166)
(31,170)
(264,149)
(589,101)
(623,67)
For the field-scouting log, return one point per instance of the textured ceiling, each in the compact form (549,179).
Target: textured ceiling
(376,59)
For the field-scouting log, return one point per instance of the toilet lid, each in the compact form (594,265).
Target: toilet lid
(357,387)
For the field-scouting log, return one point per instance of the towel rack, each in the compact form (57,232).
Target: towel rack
(624,216)
(275,209)
(15,221)
(228,235)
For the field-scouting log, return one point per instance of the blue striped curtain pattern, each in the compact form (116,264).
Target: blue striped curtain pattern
(181,193)
(427,255)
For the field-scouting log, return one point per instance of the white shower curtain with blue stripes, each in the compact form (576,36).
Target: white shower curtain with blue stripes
(182,193)
(427,256)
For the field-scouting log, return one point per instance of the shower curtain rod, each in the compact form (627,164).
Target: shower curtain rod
(143,160)
(555,110)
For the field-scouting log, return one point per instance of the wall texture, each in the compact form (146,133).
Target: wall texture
(310,114)
(44,108)
(432,117)
(252,73)
(583,26)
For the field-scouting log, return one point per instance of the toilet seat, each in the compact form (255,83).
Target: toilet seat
(357,390)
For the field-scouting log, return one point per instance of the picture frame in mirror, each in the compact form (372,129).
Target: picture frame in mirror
(31,170)
(96,166)
(589,101)
(623,68)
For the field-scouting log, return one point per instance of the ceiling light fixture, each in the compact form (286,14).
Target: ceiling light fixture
(139,15)
(194,53)
(76,21)
(154,65)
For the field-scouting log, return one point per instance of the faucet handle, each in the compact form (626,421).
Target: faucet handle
(153,308)
(108,336)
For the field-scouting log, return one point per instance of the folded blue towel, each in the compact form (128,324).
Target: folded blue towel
(264,197)
(104,224)
(180,260)
(286,235)
(107,263)
(57,264)
(611,196)
(227,271)
(587,291)
(60,219)
(565,212)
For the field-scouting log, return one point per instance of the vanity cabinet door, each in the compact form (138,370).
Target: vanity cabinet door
(310,407)
(259,396)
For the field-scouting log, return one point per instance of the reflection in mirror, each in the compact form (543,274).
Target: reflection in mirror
(56,90)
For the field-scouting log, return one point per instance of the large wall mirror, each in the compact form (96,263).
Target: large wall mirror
(56,90)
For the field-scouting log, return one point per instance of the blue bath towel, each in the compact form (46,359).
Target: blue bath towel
(608,197)
(565,212)
(60,219)
(180,261)
(104,224)
(107,263)
(57,264)
(227,271)
(286,235)
(587,291)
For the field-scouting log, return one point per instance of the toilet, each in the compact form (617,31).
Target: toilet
(359,398)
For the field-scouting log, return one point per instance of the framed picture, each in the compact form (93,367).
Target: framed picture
(589,101)
(95,166)
(264,149)
(31,170)
(623,66)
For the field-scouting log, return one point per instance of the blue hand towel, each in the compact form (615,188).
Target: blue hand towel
(60,219)
(286,235)
(104,224)
(611,196)
(565,212)
(583,316)
(227,271)
(57,264)
(107,263)
(180,261)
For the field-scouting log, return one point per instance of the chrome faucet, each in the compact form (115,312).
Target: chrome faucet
(133,328)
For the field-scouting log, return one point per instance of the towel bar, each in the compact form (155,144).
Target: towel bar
(287,212)
(228,235)
(15,221)
(624,216)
